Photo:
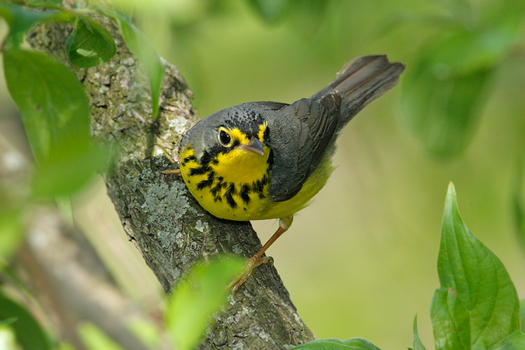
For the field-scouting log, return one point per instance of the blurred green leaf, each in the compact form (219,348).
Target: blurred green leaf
(271,10)
(55,113)
(465,52)
(94,339)
(11,235)
(63,172)
(7,338)
(306,15)
(522,315)
(442,109)
(142,48)
(148,58)
(46,2)
(444,90)
(89,44)
(146,331)
(515,341)
(125,8)
(337,344)
(506,15)
(20,19)
(518,206)
(197,298)
(461,10)
(52,101)
(8,321)
(28,332)
(477,304)
(416,343)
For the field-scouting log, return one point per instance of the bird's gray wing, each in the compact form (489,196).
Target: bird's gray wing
(299,136)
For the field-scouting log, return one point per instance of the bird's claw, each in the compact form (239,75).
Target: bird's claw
(251,263)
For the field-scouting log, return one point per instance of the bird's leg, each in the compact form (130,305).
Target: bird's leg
(258,259)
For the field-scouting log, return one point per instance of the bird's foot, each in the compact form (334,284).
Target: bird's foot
(251,263)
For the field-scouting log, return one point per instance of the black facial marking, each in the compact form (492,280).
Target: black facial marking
(266,134)
(229,196)
(245,190)
(199,171)
(188,159)
(205,159)
(204,164)
(215,191)
(208,182)
(258,186)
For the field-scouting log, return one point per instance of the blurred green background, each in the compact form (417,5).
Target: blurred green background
(361,260)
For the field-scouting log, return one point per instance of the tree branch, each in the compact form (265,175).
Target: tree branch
(159,215)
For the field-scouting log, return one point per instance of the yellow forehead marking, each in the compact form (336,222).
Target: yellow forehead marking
(262,129)
(241,136)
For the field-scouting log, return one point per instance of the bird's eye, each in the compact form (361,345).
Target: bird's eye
(224,138)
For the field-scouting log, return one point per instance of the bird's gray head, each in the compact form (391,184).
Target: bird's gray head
(232,128)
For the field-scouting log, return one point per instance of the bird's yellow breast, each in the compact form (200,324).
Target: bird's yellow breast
(235,185)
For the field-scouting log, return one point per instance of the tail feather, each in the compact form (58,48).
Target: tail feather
(361,81)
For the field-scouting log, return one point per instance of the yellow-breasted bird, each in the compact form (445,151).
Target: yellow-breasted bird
(266,160)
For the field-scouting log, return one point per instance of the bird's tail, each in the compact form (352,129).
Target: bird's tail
(361,81)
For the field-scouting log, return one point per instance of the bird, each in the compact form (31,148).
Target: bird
(266,160)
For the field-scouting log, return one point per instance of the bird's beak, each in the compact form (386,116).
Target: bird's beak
(254,146)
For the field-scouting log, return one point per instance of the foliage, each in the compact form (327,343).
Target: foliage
(27,329)
(445,89)
(477,305)
(198,297)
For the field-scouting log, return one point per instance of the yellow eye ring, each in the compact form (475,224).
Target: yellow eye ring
(224,137)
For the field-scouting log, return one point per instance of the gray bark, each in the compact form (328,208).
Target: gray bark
(159,215)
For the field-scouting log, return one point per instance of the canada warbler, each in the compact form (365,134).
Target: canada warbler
(266,160)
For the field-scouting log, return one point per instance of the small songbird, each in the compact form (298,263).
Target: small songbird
(266,160)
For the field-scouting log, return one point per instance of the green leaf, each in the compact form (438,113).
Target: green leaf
(416,343)
(336,344)
(477,304)
(515,341)
(505,15)
(7,338)
(442,109)
(142,48)
(522,315)
(51,100)
(8,321)
(41,2)
(464,52)
(518,206)
(148,58)
(94,338)
(28,332)
(197,298)
(21,19)
(64,172)
(11,234)
(89,44)
(55,113)
(271,10)
(444,90)
(461,10)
